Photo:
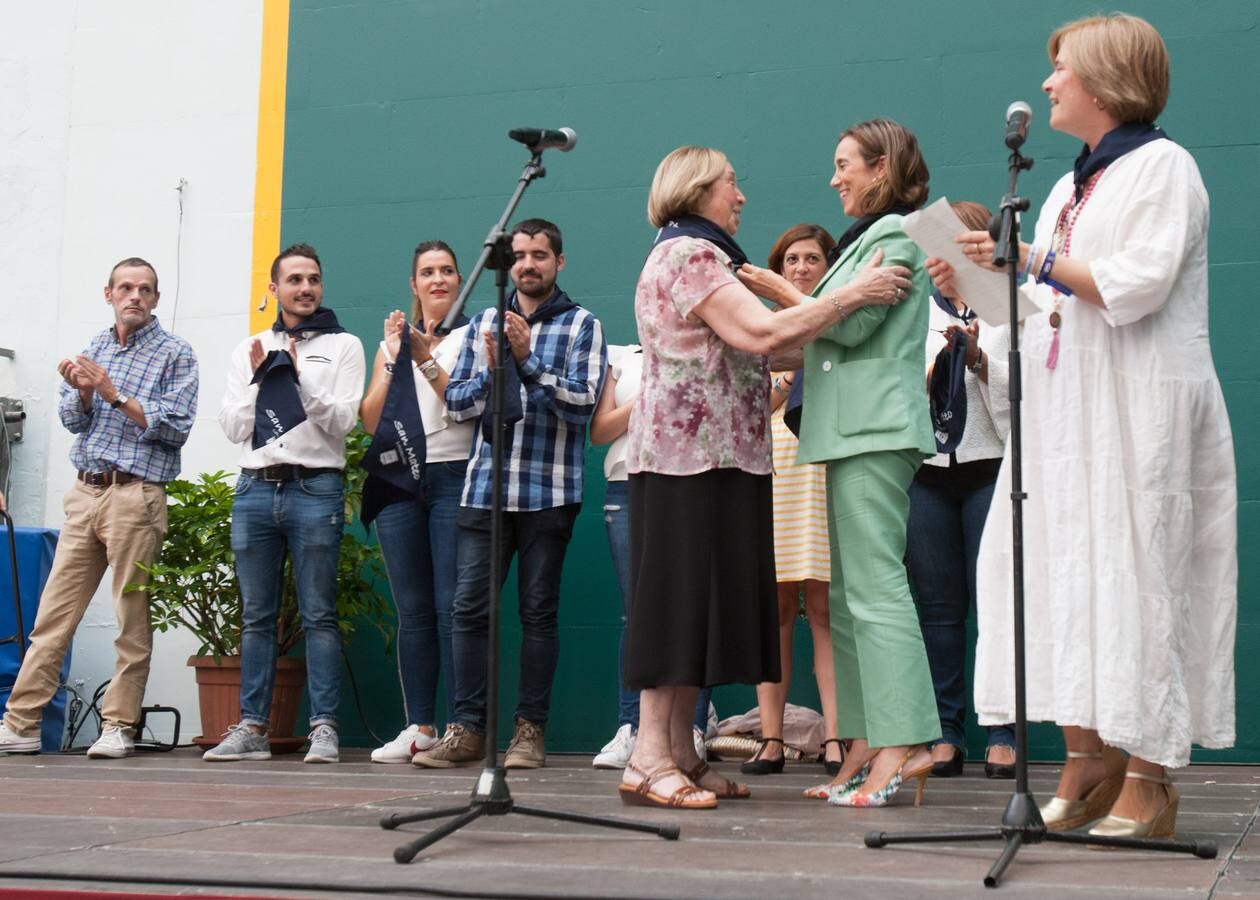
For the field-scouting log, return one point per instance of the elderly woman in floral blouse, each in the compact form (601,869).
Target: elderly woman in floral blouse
(702,580)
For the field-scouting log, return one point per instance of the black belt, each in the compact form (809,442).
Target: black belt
(105,479)
(286,472)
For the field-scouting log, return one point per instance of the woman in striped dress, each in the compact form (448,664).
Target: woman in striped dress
(801,555)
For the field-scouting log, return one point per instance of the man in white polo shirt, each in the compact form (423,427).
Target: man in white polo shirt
(292,396)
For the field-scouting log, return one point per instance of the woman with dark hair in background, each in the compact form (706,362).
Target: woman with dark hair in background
(418,537)
(1130,535)
(702,596)
(802,561)
(866,417)
(949,501)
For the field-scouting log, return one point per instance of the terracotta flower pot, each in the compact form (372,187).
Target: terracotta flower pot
(219,693)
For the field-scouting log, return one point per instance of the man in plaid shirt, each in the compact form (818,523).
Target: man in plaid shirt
(130,398)
(556,369)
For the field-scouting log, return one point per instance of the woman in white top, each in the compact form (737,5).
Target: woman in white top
(949,501)
(1130,536)
(418,538)
(609,425)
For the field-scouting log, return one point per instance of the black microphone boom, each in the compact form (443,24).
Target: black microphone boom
(1018,115)
(562,139)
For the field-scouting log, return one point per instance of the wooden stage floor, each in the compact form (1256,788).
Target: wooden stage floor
(169,823)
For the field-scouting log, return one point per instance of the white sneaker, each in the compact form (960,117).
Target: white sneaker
(616,753)
(697,738)
(115,742)
(410,741)
(12,742)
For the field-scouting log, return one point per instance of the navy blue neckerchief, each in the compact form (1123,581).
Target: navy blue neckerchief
(861,226)
(700,227)
(796,397)
(395,459)
(278,408)
(1115,143)
(947,394)
(513,411)
(323,321)
(947,304)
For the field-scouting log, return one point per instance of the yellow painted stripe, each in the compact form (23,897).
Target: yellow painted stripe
(269,174)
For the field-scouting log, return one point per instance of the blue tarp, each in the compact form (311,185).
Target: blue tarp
(35,549)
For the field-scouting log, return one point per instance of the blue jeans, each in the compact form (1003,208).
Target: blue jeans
(539,540)
(617,522)
(305,517)
(417,540)
(942,542)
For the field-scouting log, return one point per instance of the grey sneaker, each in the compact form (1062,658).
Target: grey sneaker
(323,747)
(115,742)
(240,742)
(526,750)
(458,747)
(12,742)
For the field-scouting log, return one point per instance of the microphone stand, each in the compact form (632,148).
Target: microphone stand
(1021,822)
(490,795)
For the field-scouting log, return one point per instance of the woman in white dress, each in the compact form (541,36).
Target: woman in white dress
(1130,523)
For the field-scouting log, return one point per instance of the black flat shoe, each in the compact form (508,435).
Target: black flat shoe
(759,766)
(950,767)
(832,766)
(998,770)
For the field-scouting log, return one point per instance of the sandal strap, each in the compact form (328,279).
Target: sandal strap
(1164,780)
(645,786)
(728,786)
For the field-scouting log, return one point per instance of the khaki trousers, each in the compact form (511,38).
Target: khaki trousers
(116,527)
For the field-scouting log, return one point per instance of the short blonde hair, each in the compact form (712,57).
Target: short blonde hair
(906,174)
(1121,60)
(681,181)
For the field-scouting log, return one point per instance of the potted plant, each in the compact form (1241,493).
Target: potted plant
(193,586)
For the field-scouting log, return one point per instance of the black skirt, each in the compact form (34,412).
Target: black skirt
(703,603)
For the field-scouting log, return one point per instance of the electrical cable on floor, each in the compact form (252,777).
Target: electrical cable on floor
(358,703)
(322,887)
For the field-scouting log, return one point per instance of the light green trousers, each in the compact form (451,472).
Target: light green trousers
(883,685)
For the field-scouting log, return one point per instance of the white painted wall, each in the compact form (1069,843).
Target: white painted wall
(107,106)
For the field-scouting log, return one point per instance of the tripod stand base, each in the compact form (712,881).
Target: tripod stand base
(491,797)
(1022,824)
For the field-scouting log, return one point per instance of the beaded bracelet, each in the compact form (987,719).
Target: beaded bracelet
(844,313)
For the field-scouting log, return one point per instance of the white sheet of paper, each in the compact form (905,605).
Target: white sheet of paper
(934,228)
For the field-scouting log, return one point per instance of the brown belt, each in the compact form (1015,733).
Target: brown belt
(104,479)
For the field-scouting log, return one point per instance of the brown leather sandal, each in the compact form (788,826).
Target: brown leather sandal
(641,794)
(730,790)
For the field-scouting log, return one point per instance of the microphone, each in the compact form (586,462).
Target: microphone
(1018,115)
(537,139)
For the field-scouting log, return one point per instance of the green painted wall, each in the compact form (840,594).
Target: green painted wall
(397,113)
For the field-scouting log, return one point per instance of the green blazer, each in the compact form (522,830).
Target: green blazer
(865,388)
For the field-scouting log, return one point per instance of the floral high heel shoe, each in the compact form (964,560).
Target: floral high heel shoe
(1162,824)
(830,789)
(883,796)
(1064,815)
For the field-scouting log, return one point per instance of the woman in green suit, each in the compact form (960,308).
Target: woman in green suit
(865,416)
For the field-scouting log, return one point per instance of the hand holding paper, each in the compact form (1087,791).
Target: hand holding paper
(934,228)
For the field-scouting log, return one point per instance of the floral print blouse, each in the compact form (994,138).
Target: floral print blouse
(703,403)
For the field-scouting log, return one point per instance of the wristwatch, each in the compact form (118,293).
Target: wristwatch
(119,400)
(429,369)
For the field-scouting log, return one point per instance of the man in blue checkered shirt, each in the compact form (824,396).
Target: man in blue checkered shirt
(556,367)
(130,399)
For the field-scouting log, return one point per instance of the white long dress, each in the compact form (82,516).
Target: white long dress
(1130,533)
